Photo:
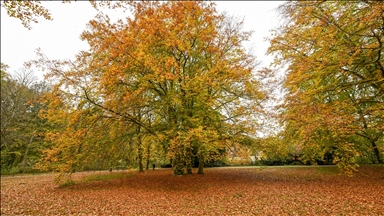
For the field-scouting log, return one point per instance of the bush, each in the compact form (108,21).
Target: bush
(217,163)
(275,162)
(12,171)
(166,165)
(297,163)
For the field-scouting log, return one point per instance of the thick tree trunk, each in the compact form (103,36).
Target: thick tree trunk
(140,154)
(148,157)
(139,150)
(201,166)
(377,153)
(141,167)
(188,159)
(189,168)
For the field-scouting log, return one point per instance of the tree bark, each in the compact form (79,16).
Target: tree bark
(201,166)
(376,151)
(140,156)
(139,151)
(148,157)
(189,168)
(188,159)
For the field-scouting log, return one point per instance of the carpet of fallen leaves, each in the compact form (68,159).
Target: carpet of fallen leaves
(221,191)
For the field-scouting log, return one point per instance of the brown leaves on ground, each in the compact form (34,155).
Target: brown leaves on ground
(221,191)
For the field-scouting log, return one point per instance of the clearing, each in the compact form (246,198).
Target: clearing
(224,191)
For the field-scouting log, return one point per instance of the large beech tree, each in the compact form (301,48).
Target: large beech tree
(333,53)
(176,72)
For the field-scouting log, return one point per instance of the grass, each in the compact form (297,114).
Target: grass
(103,177)
(67,183)
(106,177)
(327,170)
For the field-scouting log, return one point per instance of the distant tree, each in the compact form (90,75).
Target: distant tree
(21,128)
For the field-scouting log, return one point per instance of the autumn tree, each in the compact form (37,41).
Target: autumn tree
(333,53)
(174,71)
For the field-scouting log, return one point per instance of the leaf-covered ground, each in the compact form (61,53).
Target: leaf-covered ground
(221,191)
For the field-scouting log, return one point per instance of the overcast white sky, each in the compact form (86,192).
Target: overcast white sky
(60,38)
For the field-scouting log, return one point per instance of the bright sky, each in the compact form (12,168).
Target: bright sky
(60,38)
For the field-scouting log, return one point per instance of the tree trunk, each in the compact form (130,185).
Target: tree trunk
(189,168)
(139,150)
(131,158)
(141,168)
(188,159)
(201,166)
(148,156)
(140,153)
(377,153)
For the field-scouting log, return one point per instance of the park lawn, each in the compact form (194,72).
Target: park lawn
(221,191)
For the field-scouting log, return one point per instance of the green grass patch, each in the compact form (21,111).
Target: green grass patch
(67,183)
(96,177)
(105,177)
(327,170)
